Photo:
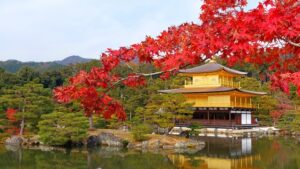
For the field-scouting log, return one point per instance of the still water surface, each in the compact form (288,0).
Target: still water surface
(219,153)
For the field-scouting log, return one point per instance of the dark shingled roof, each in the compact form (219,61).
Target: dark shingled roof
(211,67)
(209,90)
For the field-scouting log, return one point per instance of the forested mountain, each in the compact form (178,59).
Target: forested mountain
(72,60)
(15,65)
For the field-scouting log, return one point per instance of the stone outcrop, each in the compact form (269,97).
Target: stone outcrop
(33,141)
(118,138)
(14,141)
(92,141)
(106,139)
(110,140)
(167,145)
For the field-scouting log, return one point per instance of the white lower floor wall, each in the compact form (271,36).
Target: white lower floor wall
(245,118)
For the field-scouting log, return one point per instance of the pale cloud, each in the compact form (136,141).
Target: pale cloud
(44,30)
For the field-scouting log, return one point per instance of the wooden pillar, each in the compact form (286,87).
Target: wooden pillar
(208,117)
(221,80)
(248,102)
(214,118)
(234,100)
(230,118)
(227,81)
(241,102)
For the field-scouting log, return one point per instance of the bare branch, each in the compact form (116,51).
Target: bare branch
(137,75)
(154,73)
(293,43)
(128,66)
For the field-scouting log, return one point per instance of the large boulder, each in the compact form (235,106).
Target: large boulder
(32,141)
(154,144)
(92,141)
(180,145)
(14,141)
(109,139)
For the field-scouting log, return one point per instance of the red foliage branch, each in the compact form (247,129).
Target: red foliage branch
(267,35)
(10,114)
(12,131)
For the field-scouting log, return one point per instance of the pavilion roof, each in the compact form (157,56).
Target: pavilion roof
(210,90)
(211,67)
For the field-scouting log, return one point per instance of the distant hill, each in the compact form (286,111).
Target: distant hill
(72,60)
(15,65)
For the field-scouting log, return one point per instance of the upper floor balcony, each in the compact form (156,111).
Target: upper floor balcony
(225,83)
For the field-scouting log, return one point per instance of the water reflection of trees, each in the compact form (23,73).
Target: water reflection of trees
(24,158)
(275,153)
(278,153)
(105,158)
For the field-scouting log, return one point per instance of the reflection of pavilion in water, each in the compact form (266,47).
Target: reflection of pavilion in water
(219,153)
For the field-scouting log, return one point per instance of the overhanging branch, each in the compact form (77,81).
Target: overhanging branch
(293,43)
(137,75)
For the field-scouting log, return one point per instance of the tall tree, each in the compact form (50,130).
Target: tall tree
(59,127)
(164,110)
(29,101)
(27,74)
(7,79)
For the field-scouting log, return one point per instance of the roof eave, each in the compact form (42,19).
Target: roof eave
(228,71)
(252,92)
(227,90)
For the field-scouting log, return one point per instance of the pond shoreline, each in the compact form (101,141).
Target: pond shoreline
(121,139)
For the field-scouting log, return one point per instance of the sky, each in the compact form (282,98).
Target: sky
(47,30)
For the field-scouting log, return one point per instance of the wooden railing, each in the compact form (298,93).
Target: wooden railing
(213,122)
(245,105)
(189,83)
(231,84)
(224,104)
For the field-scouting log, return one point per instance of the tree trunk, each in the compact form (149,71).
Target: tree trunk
(91,122)
(22,127)
(23,120)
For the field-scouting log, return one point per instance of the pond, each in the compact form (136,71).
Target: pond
(219,153)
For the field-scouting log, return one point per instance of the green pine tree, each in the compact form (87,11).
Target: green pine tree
(164,110)
(30,100)
(60,127)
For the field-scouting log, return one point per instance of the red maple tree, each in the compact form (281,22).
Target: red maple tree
(10,114)
(283,106)
(266,35)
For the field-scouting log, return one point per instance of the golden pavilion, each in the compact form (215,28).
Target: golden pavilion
(218,98)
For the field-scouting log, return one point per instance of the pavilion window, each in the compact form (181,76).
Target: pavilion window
(221,116)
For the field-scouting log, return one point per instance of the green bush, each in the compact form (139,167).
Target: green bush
(139,132)
(290,122)
(125,143)
(100,123)
(3,137)
(59,128)
(194,128)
